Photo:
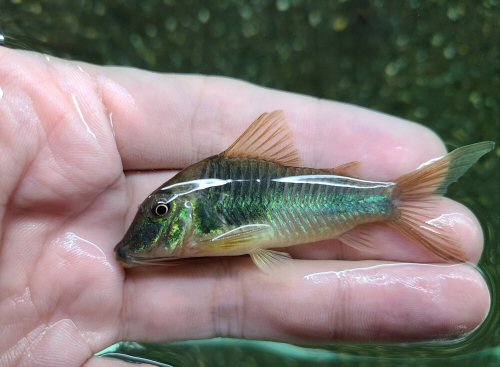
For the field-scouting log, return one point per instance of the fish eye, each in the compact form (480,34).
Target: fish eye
(161,209)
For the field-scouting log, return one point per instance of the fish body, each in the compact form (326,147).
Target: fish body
(254,197)
(285,205)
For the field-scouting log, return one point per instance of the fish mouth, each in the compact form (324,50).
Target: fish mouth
(121,254)
(130,261)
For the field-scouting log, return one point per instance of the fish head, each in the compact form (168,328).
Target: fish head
(157,233)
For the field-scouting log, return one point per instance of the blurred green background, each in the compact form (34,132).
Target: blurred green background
(436,62)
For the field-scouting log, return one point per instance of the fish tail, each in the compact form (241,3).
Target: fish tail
(414,193)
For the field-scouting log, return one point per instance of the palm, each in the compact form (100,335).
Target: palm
(70,187)
(67,206)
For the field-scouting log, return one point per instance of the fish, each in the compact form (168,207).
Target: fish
(255,197)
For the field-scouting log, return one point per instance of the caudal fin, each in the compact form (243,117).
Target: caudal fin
(414,192)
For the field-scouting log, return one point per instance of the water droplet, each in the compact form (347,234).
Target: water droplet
(402,40)
(345,83)
(421,112)
(421,56)
(455,12)
(283,50)
(437,40)
(391,69)
(204,15)
(415,4)
(219,29)
(186,21)
(282,5)
(246,12)
(136,40)
(176,58)
(490,102)
(394,67)
(82,70)
(110,118)
(79,110)
(250,30)
(315,18)
(339,24)
(76,246)
(100,9)
(298,44)
(475,98)
(35,8)
(449,52)
(405,97)
(170,24)
(1,93)
(151,30)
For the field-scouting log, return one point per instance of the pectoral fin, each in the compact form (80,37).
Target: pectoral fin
(240,238)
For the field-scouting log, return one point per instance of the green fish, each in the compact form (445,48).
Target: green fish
(255,196)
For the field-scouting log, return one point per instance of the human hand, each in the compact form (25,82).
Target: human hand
(82,145)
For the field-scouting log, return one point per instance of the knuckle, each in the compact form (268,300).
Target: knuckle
(228,300)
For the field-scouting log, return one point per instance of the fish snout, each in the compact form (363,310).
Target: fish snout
(121,252)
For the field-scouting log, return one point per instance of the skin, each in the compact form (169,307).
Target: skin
(70,189)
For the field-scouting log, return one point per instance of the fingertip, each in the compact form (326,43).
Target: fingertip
(462,224)
(416,145)
(463,314)
(387,146)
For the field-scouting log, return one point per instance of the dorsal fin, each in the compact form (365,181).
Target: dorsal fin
(268,138)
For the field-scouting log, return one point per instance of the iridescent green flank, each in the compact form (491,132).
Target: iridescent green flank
(300,204)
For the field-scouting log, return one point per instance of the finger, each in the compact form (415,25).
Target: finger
(170,121)
(450,217)
(314,301)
